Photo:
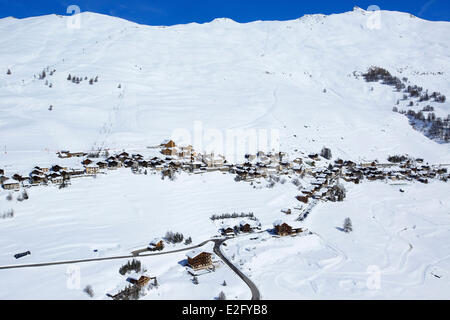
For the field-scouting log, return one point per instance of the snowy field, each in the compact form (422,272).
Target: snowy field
(404,235)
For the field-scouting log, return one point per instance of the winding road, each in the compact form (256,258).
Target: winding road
(255,292)
(139,253)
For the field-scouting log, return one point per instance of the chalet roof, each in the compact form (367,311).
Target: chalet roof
(251,223)
(279,222)
(293,224)
(194,253)
(155,241)
(11,182)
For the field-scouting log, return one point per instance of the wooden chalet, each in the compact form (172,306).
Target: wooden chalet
(246,226)
(91,169)
(68,154)
(228,231)
(86,162)
(57,180)
(169,152)
(199,259)
(56,168)
(112,165)
(168,144)
(156,244)
(139,280)
(11,185)
(302,198)
(102,164)
(19,178)
(284,229)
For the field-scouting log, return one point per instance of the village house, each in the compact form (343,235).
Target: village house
(112,165)
(283,229)
(213,161)
(139,280)
(57,180)
(250,157)
(228,231)
(137,156)
(76,172)
(169,152)
(91,169)
(19,178)
(11,185)
(86,162)
(199,259)
(156,244)
(168,144)
(184,154)
(102,164)
(303,197)
(247,226)
(36,179)
(67,154)
(56,168)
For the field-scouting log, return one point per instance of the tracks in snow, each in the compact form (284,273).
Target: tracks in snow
(217,243)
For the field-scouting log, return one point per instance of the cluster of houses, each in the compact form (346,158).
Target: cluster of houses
(323,185)
(244,226)
(260,165)
(55,174)
(407,170)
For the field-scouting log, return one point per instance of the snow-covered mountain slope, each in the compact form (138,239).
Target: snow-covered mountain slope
(225,74)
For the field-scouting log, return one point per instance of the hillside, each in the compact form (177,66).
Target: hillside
(254,75)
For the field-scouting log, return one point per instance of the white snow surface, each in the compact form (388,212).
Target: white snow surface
(263,74)
(259,75)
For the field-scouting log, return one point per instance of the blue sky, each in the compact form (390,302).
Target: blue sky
(169,12)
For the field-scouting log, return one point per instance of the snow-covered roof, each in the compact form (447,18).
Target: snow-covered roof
(193,253)
(252,223)
(278,222)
